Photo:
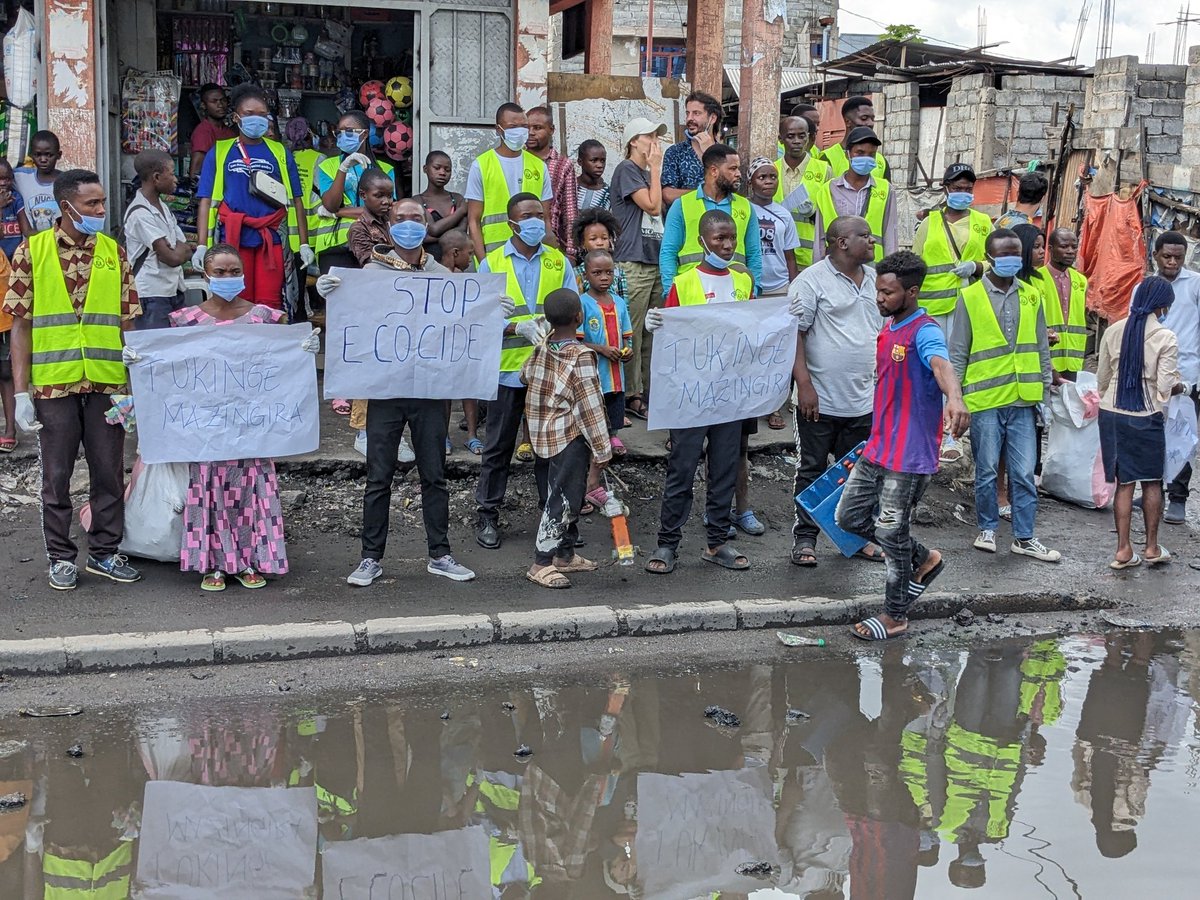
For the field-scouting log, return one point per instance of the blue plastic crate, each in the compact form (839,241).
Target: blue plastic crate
(820,500)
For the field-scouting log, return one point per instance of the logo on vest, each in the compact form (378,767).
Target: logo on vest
(528,176)
(899,352)
(105,262)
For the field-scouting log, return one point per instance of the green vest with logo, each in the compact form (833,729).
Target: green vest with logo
(1067,354)
(691,254)
(515,349)
(816,173)
(939,290)
(494,219)
(997,376)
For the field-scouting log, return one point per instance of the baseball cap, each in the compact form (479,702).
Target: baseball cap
(958,170)
(642,125)
(862,135)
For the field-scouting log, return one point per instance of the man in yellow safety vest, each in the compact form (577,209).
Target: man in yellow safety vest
(70,298)
(801,172)
(1000,352)
(857,191)
(857,112)
(1064,295)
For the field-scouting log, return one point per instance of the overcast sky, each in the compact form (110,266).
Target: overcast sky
(1033,29)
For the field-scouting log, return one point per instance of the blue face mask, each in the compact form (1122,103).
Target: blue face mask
(959,200)
(253,126)
(228,289)
(1162,319)
(863,165)
(711,259)
(515,138)
(1007,266)
(531,231)
(408,235)
(86,224)
(348,141)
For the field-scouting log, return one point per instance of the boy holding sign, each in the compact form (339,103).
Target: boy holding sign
(711,281)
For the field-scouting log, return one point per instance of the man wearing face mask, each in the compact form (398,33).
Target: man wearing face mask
(499,174)
(1001,354)
(71,296)
(683,247)
(857,192)
(533,271)
(857,112)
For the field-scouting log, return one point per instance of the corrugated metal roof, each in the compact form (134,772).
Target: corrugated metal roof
(790,79)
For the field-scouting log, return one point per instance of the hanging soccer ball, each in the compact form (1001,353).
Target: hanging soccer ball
(404,115)
(380,111)
(369,90)
(397,140)
(375,136)
(399,90)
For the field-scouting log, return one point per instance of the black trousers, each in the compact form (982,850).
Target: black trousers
(724,455)
(566,483)
(815,442)
(1178,490)
(500,440)
(385,424)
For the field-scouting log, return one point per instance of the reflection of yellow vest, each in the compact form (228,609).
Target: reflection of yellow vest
(336,231)
(978,770)
(691,254)
(1067,354)
(689,288)
(816,173)
(78,879)
(515,349)
(997,376)
(222,151)
(68,348)
(1041,676)
(877,200)
(939,290)
(493,221)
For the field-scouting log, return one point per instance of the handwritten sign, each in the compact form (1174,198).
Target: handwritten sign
(449,865)
(200,842)
(722,362)
(695,829)
(1181,437)
(413,335)
(216,392)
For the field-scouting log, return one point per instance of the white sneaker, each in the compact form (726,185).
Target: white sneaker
(360,444)
(368,570)
(986,541)
(405,453)
(1033,547)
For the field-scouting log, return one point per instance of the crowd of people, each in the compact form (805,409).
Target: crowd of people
(903,350)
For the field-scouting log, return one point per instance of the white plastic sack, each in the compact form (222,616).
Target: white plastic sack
(1072,468)
(1181,435)
(21,61)
(154,511)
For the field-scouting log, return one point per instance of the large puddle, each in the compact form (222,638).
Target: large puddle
(1061,767)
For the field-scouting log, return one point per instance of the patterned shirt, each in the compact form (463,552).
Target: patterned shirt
(76,259)
(364,234)
(564,207)
(681,167)
(564,400)
(592,198)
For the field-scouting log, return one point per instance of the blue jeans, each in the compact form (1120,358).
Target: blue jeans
(156,311)
(1013,430)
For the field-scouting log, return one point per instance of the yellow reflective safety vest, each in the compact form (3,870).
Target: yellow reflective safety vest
(692,205)
(222,150)
(997,376)
(816,173)
(77,879)
(689,287)
(979,769)
(335,232)
(840,162)
(1041,681)
(68,348)
(515,349)
(877,200)
(493,221)
(939,290)
(306,167)
(327,801)
(1067,354)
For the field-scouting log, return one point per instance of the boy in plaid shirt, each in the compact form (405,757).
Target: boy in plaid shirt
(568,426)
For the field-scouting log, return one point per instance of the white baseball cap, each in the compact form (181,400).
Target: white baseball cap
(642,125)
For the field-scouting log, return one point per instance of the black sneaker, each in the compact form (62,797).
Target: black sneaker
(115,568)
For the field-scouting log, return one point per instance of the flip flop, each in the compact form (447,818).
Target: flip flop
(727,558)
(475,445)
(872,557)
(775,422)
(213,582)
(877,630)
(664,555)
(341,407)
(250,580)
(636,407)
(1135,560)
(950,455)
(8,445)
(1164,556)
(549,577)
(618,448)
(917,588)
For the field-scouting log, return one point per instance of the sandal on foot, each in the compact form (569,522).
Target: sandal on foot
(727,558)
(876,630)
(1164,556)
(577,564)
(948,455)
(213,582)
(586,508)
(475,445)
(804,554)
(618,448)
(1134,560)
(665,557)
(775,422)
(250,579)
(636,407)
(341,407)
(877,556)
(917,588)
(549,577)
(8,445)
(525,452)
(597,496)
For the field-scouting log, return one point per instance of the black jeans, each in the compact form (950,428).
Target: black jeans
(896,494)
(500,440)
(1178,490)
(385,424)
(156,311)
(566,482)
(724,456)
(815,442)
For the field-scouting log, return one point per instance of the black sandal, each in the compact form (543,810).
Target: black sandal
(727,558)
(804,554)
(636,407)
(664,555)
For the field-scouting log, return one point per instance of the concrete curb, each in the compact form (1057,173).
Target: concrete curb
(300,640)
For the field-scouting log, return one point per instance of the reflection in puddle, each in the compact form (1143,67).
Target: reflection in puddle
(1022,768)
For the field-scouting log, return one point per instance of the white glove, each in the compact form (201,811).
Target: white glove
(544,328)
(307,257)
(528,329)
(654,319)
(965,269)
(805,209)
(312,343)
(129,356)
(508,306)
(354,159)
(198,257)
(324,213)
(25,415)
(328,283)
